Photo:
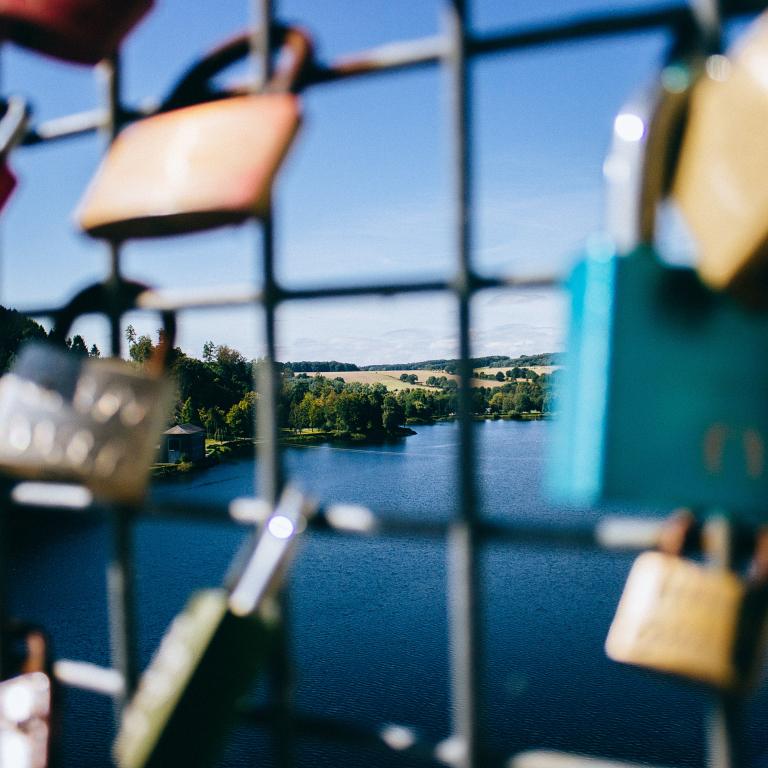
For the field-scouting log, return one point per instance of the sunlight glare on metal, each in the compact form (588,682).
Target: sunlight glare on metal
(281,527)
(18,702)
(629,127)
(397,736)
(718,67)
(615,532)
(52,495)
(249,511)
(89,677)
(351,517)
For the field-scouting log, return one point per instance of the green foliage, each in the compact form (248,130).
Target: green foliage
(322,366)
(241,417)
(15,329)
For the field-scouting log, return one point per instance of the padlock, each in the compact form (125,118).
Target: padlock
(13,124)
(719,184)
(25,699)
(210,656)
(685,618)
(662,395)
(73,418)
(199,166)
(83,31)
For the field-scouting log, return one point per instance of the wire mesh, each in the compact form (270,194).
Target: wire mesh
(452,51)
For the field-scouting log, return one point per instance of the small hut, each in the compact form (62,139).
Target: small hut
(183,440)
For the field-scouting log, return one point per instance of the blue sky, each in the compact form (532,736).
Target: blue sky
(365,193)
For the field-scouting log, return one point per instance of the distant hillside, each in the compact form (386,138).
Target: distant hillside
(494,361)
(323,366)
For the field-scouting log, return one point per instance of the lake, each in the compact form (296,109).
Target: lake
(369,615)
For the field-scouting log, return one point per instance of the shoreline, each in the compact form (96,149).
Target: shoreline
(244,446)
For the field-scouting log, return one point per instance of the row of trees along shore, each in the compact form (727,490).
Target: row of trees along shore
(217,391)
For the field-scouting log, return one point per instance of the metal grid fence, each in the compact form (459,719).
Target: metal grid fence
(452,51)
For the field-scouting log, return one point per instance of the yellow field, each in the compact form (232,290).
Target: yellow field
(391,379)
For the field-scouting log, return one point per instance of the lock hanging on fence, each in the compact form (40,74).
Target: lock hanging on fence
(210,656)
(13,125)
(719,184)
(83,31)
(68,417)
(200,166)
(663,400)
(26,700)
(685,618)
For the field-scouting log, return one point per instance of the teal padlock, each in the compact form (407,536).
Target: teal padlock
(664,398)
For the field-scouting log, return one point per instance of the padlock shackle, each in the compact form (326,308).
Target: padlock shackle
(638,169)
(13,123)
(258,568)
(193,87)
(107,298)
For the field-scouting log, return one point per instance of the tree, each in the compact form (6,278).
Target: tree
(403,377)
(241,417)
(94,351)
(130,334)
(209,351)
(413,378)
(15,329)
(141,349)
(392,414)
(78,345)
(187,413)
(499,376)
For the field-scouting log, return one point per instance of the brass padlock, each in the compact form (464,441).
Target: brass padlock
(201,166)
(681,617)
(720,182)
(210,655)
(72,418)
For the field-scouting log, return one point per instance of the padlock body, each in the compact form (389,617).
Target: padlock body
(71,418)
(663,395)
(7,184)
(678,617)
(186,697)
(191,169)
(83,31)
(25,713)
(719,183)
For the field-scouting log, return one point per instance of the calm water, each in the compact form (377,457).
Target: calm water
(369,617)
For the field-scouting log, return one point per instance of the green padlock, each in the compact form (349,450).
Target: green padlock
(664,394)
(210,656)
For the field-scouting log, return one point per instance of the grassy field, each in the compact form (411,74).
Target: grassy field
(391,379)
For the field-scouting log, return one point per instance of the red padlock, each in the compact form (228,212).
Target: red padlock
(13,125)
(83,31)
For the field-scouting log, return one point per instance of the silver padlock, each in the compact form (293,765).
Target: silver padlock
(95,422)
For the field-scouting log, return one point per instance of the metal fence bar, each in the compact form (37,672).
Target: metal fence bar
(120,571)
(467,532)
(270,459)
(240,295)
(463,570)
(429,51)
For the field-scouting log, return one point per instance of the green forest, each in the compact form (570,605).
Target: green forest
(217,390)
